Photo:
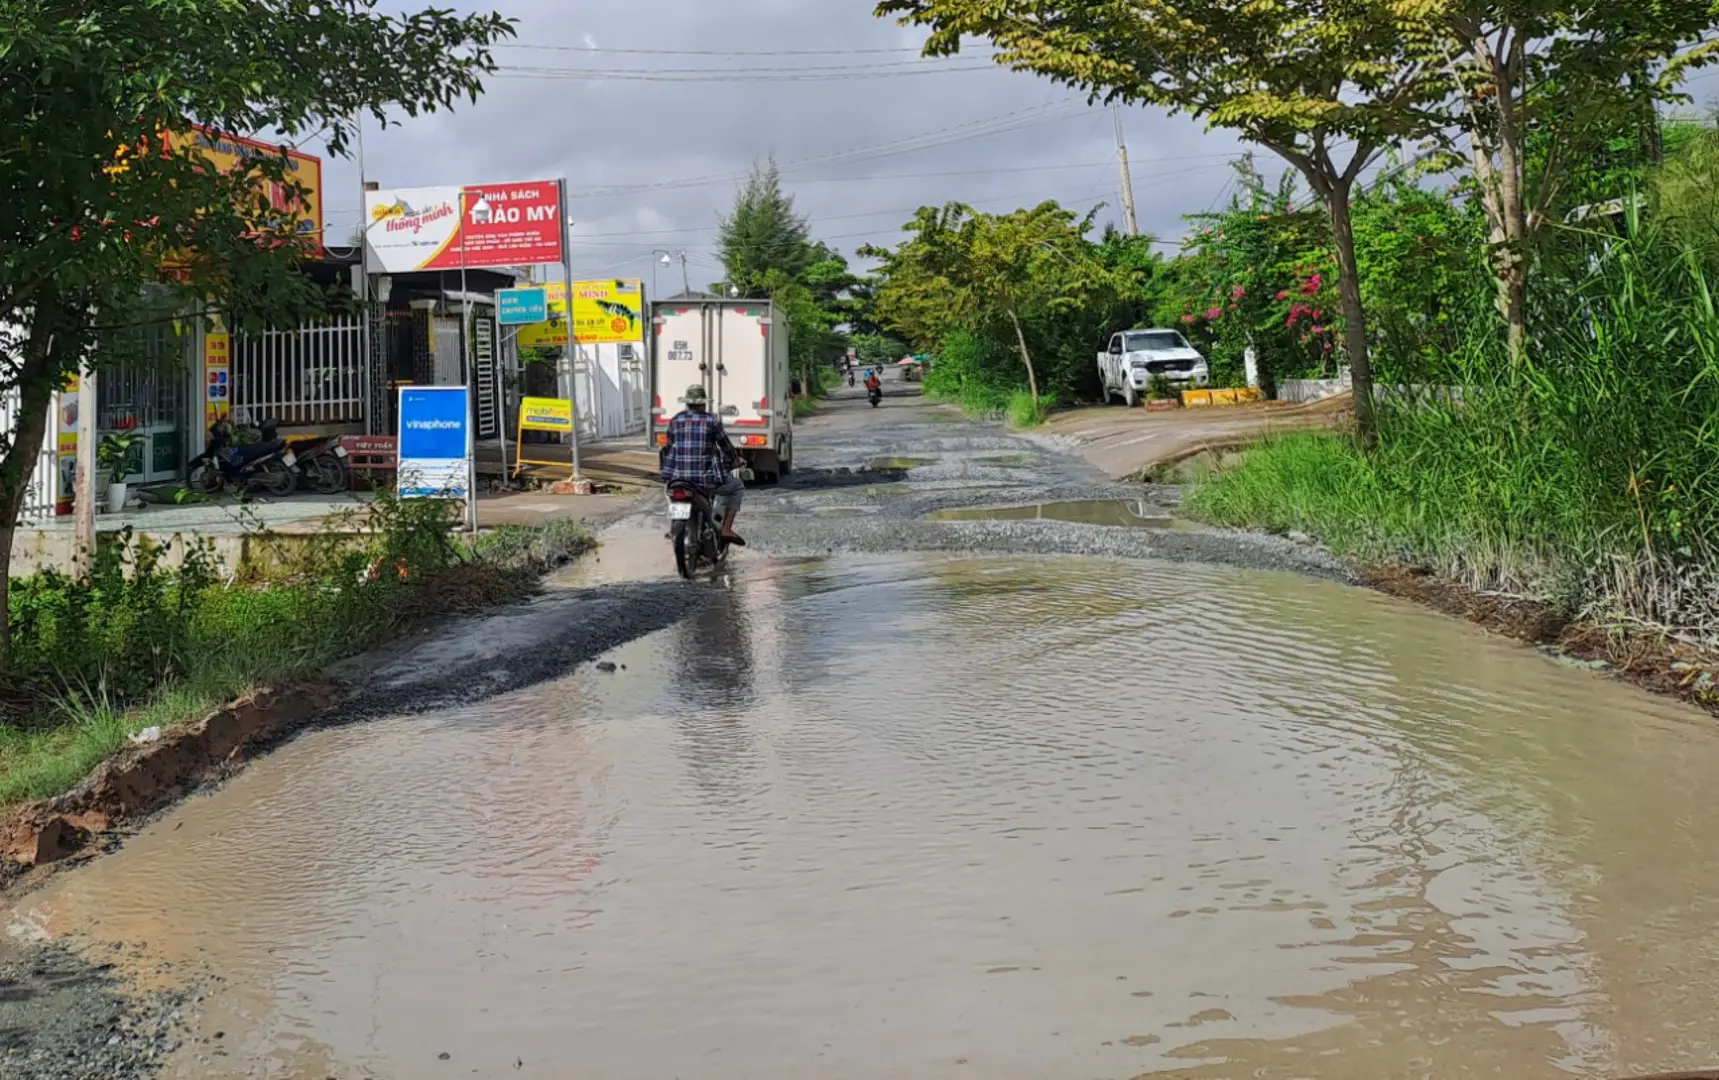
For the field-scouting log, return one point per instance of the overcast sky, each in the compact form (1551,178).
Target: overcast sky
(865,131)
(879,119)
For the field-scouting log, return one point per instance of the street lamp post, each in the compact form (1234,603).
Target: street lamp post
(662,258)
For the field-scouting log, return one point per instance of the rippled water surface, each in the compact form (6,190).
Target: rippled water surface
(988,818)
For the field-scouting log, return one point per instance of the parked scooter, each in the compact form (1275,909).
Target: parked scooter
(266,466)
(322,464)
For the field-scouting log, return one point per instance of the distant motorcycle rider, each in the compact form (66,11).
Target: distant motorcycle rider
(698,452)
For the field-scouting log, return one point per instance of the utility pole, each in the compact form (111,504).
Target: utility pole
(1128,219)
(685,284)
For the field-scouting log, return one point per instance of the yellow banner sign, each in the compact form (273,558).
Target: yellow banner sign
(546,414)
(604,313)
(217,378)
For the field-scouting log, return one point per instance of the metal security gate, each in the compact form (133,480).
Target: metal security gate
(313,376)
(145,394)
(40,492)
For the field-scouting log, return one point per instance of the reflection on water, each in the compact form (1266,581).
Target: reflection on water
(1003,818)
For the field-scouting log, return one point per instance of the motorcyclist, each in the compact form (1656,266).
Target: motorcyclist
(873,384)
(697,452)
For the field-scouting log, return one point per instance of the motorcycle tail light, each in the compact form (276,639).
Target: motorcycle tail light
(680,495)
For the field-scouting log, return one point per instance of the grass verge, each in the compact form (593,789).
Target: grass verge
(146,645)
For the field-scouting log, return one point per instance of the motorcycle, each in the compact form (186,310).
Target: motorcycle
(850,380)
(322,464)
(875,394)
(693,528)
(267,466)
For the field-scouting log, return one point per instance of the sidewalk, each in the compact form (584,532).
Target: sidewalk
(624,462)
(625,467)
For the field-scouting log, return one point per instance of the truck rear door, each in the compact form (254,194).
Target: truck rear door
(743,377)
(679,358)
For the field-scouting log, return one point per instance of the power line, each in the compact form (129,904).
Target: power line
(999,200)
(761,76)
(991,125)
(817,69)
(600,49)
(588,238)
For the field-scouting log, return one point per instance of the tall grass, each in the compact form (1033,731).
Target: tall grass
(986,381)
(1587,475)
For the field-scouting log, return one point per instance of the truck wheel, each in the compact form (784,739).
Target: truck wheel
(1128,396)
(787,458)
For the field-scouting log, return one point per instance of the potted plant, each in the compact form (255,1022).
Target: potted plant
(114,455)
(1160,396)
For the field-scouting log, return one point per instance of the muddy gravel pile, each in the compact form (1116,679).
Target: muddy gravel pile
(63,1017)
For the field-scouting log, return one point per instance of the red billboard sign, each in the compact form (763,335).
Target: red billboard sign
(478,226)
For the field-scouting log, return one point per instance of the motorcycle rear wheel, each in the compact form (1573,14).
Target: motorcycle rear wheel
(204,478)
(277,479)
(683,552)
(327,475)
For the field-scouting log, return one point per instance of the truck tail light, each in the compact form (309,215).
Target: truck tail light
(662,438)
(754,440)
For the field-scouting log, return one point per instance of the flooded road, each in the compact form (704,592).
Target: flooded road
(931,815)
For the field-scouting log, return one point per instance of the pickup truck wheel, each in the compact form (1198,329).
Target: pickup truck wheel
(1129,398)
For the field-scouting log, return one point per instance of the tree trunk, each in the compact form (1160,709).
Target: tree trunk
(1504,188)
(1026,357)
(35,378)
(1354,317)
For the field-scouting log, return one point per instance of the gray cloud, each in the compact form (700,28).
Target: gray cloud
(857,149)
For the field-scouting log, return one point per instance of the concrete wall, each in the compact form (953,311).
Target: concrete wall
(236,553)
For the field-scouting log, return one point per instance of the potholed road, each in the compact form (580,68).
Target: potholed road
(909,798)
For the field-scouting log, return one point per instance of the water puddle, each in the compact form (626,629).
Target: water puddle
(899,464)
(1124,513)
(845,511)
(1005,461)
(950,817)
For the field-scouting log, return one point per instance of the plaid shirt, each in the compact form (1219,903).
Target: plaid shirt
(698,450)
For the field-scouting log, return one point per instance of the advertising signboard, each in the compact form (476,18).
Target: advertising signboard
(227,152)
(546,414)
(554,415)
(604,313)
(435,442)
(217,378)
(521,307)
(409,229)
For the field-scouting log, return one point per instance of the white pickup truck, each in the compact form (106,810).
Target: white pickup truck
(1135,356)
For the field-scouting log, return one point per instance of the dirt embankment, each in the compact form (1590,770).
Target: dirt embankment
(1130,442)
(1652,661)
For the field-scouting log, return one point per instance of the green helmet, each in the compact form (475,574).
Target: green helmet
(695,395)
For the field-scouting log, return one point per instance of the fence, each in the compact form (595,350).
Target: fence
(39,494)
(1302,391)
(309,376)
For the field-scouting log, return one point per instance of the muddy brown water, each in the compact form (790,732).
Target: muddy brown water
(925,817)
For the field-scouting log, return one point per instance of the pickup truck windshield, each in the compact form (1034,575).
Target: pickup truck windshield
(1154,341)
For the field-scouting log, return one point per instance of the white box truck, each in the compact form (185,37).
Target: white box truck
(738,351)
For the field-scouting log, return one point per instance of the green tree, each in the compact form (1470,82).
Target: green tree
(94,201)
(991,269)
(1536,90)
(762,232)
(1311,80)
